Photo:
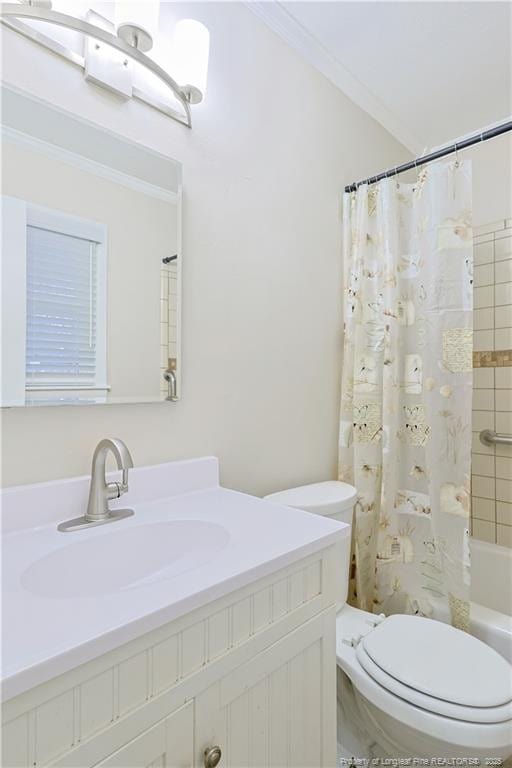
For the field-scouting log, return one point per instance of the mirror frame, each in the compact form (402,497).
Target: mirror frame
(15,128)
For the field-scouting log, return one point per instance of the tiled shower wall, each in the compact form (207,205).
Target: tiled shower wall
(491,486)
(168,320)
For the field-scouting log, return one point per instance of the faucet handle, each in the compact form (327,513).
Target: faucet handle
(114,490)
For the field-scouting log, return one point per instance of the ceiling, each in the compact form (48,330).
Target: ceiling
(429,72)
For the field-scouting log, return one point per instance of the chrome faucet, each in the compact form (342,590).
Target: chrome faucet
(101,492)
(170,378)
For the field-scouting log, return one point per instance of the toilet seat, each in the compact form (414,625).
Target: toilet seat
(499,714)
(438,668)
(393,709)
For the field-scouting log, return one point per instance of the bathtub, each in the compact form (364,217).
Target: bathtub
(491,595)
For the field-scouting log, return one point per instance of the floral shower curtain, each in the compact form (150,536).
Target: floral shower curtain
(405,429)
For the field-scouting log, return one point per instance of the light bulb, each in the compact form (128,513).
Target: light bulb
(136,22)
(190,49)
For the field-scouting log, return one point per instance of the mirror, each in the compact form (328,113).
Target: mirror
(90,264)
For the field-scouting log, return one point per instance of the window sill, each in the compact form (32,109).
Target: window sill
(67,388)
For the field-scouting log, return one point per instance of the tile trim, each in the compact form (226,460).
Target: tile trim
(498,358)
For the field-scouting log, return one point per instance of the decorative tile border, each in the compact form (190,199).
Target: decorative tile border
(496,359)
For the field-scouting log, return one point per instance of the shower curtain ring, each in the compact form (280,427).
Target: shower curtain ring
(416,172)
(456,155)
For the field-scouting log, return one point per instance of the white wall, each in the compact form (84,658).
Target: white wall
(264,166)
(492,179)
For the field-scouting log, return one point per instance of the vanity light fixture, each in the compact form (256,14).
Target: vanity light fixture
(128,40)
(190,48)
(137,22)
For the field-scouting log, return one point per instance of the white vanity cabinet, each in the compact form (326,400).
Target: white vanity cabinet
(168,743)
(252,672)
(276,709)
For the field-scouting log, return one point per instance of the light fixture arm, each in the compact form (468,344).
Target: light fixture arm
(18,11)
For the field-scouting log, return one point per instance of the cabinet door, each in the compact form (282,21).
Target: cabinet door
(279,709)
(168,744)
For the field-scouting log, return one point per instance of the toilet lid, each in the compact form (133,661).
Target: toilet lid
(432,705)
(439,661)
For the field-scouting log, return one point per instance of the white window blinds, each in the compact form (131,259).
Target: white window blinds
(62,301)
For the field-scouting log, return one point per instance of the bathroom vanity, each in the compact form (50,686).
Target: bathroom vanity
(200,630)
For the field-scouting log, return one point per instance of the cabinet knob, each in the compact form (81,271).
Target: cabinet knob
(212,756)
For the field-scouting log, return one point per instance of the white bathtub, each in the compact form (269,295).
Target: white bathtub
(491,595)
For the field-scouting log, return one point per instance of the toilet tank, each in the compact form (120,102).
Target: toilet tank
(331,498)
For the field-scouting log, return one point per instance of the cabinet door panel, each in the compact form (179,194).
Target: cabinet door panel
(259,730)
(279,736)
(305,706)
(168,744)
(278,709)
(237,751)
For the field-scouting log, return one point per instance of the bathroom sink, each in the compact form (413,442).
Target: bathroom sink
(124,559)
(68,598)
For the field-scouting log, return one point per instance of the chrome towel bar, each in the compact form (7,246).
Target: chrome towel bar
(488,437)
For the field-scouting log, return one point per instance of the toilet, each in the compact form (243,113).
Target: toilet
(422,688)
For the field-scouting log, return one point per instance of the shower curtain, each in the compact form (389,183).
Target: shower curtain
(405,425)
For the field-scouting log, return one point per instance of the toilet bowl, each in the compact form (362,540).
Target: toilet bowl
(423,688)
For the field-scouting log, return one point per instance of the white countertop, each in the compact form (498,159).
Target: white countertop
(46,636)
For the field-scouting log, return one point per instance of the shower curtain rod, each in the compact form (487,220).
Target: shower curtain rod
(491,133)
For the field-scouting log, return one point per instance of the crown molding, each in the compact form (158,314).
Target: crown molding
(275,16)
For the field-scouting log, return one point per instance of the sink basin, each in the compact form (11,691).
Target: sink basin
(125,558)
